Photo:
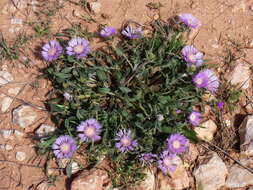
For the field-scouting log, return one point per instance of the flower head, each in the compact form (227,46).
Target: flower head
(160,117)
(78,47)
(206,79)
(189,20)
(177,143)
(132,33)
(220,104)
(51,51)
(67,96)
(64,147)
(107,32)
(168,162)
(194,118)
(147,158)
(89,129)
(192,56)
(125,141)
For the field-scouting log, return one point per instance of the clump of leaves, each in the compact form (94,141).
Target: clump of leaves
(126,87)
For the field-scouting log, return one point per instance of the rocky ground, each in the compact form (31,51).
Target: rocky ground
(226,38)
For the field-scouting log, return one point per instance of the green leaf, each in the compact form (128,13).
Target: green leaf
(102,75)
(69,169)
(125,89)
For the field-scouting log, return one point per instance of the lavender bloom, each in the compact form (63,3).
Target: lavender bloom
(189,20)
(192,56)
(168,162)
(125,141)
(64,147)
(67,96)
(89,129)
(107,32)
(132,33)
(206,79)
(220,104)
(177,143)
(178,111)
(51,51)
(147,158)
(78,47)
(194,118)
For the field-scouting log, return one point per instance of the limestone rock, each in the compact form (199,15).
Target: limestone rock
(6,147)
(43,186)
(5,77)
(149,182)
(246,136)
(192,153)
(249,108)
(94,179)
(95,7)
(18,134)
(24,116)
(239,177)
(5,104)
(240,76)
(206,131)
(6,133)
(211,175)
(20,156)
(74,167)
(44,130)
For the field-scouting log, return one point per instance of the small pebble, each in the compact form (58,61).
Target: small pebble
(20,156)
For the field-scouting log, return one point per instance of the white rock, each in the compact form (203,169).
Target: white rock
(212,175)
(149,182)
(239,177)
(95,7)
(16,21)
(43,186)
(2,146)
(206,131)
(24,116)
(249,108)
(18,133)
(75,167)
(240,76)
(8,147)
(44,130)
(6,133)
(5,104)
(246,136)
(5,77)
(20,156)
(13,91)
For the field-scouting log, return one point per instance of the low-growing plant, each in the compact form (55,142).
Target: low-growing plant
(123,101)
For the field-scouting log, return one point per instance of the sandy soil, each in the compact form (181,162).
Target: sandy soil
(223,22)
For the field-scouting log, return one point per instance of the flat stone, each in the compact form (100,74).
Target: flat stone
(212,174)
(95,7)
(240,76)
(5,77)
(206,131)
(6,133)
(75,167)
(246,136)
(24,116)
(44,130)
(249,108)
(6,147)
(5,104)
(20,156)
(17,133)
(238,177)
(149,181)
(94,179)
(13,91)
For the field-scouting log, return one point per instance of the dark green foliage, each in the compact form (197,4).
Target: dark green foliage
(126,86)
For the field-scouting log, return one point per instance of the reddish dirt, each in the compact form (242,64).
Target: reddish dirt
(223,22)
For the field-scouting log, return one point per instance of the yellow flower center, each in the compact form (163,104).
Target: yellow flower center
(78,48)
(90,131)
(192,57)
(199,81)
(52,51)
(125,141)
(65,147)
(193,117)
(176,144)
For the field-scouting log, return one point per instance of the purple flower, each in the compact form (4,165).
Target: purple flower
(220,104)
(51,51)
(206,79)
(178,111)
(177,143)
(189,20)
(168,162)
(64,147)
(67,96)
(192,56)
(89,129)
(147,158)
(125,141)
(108,31)
(78,47)
(132,33)
(195,118)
